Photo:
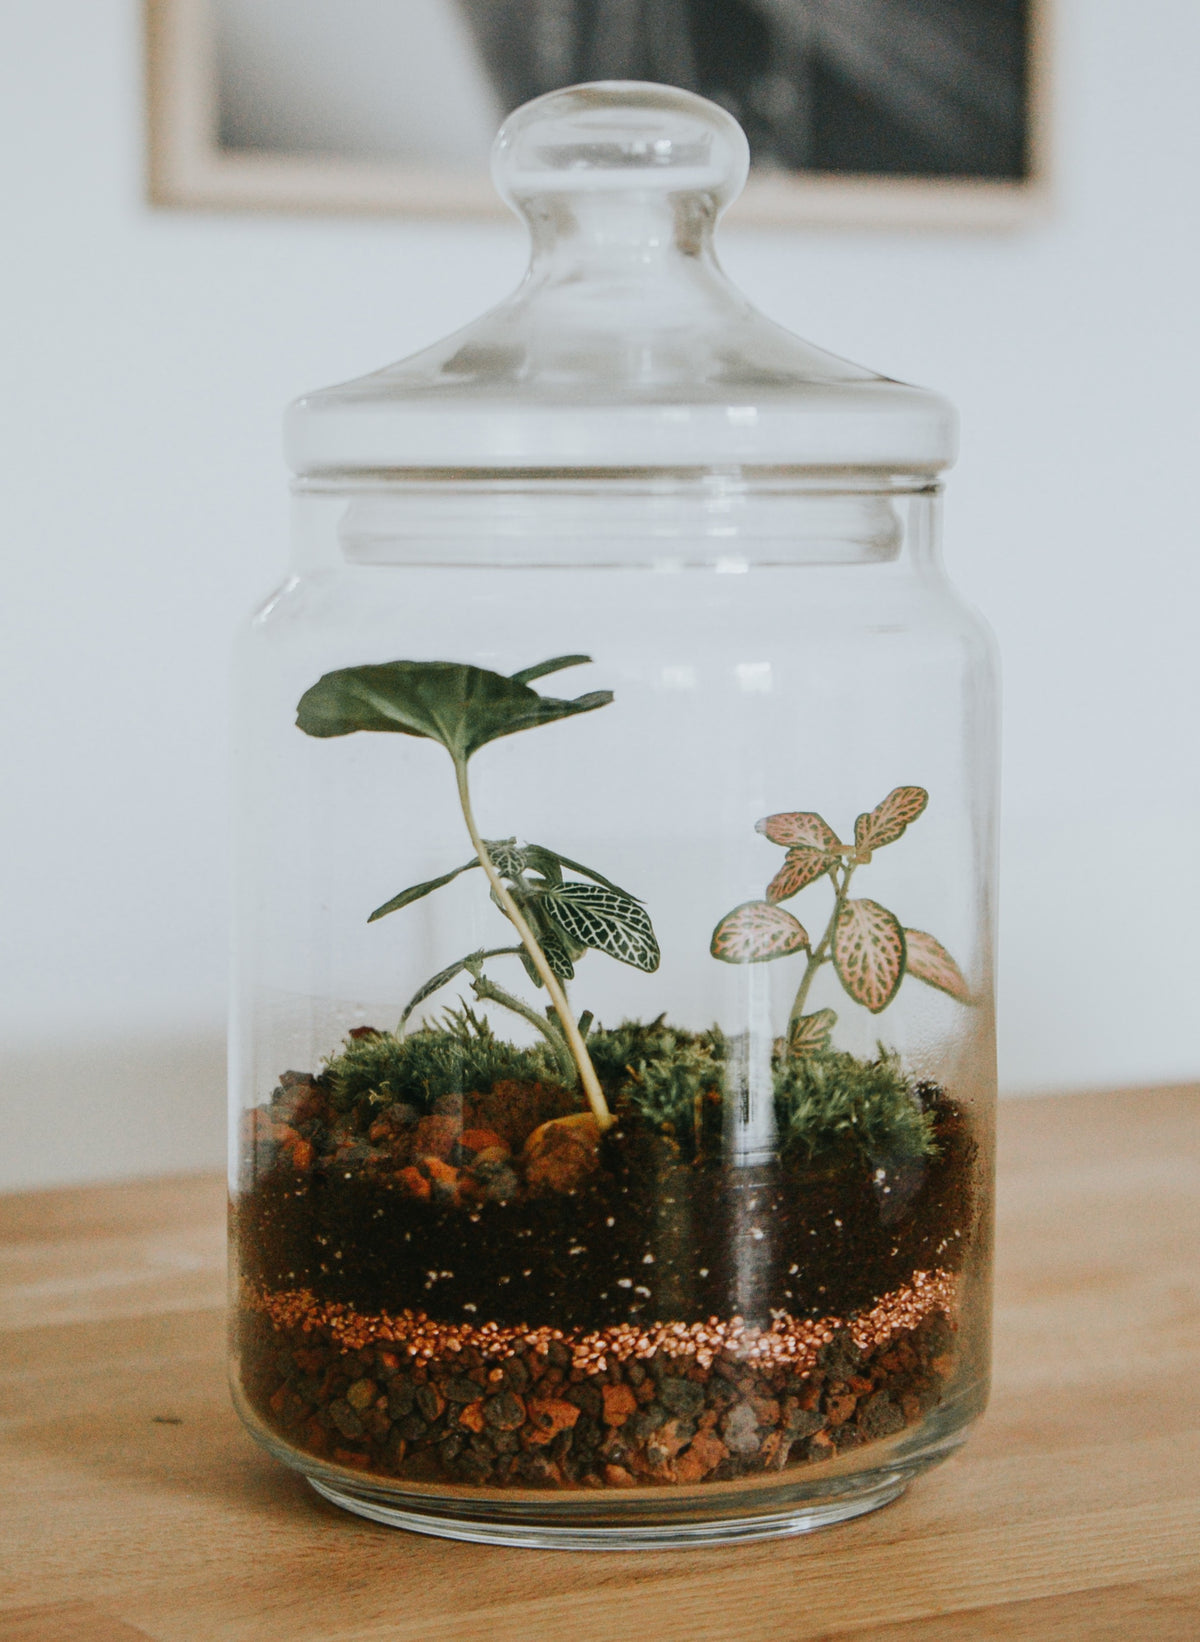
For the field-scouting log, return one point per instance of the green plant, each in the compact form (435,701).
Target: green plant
(830,1102)
(463,708)
(869,948)
(460,1054)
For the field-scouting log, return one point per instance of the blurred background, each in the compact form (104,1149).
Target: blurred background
(148,354)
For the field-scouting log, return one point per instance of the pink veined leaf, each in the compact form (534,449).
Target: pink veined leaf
(799,827)
(887,821)
(801,866)
(810,1034)
(928,960)
(756,931)
(868,953)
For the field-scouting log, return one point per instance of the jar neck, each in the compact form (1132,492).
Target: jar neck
(721,519)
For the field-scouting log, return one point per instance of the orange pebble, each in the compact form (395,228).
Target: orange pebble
(482,1140)
(414,1183)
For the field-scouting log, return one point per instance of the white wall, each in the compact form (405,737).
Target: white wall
(146,359)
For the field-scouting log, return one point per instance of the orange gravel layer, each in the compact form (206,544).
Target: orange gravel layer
(789,1343)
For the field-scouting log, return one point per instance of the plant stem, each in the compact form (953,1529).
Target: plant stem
(583,1061)
(491,993)
(820,953)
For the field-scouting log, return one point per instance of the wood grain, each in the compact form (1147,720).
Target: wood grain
(134,1509)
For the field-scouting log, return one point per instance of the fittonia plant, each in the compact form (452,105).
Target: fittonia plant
(557,920)
(869,948)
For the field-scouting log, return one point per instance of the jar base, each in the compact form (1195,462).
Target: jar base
(804,1517)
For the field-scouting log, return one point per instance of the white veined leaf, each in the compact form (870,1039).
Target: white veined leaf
(605,920)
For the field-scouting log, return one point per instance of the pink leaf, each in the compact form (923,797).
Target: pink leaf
(752,933)
(868,953)
(810,1034)
(798,827)
(928,960)
(887,821)
(801,865)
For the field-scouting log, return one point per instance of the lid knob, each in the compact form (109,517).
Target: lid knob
(620,136)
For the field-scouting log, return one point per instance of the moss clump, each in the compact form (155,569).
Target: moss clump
(826,1105)
(672,1078)
(834,1102)
(461,1055)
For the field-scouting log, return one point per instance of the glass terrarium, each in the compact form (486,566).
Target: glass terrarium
(613,1067)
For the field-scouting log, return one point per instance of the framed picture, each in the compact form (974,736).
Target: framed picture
(859,112)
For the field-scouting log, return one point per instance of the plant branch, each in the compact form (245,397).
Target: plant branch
(579,1054)
(819,954)
(489,992)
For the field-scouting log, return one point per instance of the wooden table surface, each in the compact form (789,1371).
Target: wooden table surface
(133,1506)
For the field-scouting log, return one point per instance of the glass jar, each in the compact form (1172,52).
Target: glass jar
(613,1064)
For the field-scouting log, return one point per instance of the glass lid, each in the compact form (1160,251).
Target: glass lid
(625,346)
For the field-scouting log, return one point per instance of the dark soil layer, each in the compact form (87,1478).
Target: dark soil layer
(444,1215)
(536,1421)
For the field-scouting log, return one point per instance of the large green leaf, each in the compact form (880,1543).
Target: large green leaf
(444,976)
(407,896)
(558,953)
(462,707)
(537,854)
(541,669)
(607,920)
(868,953)
(755,932)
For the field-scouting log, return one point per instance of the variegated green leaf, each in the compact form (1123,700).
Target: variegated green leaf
(755,932)
(607,920)
(887,821)
(508,858)
(445,976)
(407,896)
(554,948)
(541,858)
(868,953)
(799,827)
(928,960)
(810,1034)
(802,865)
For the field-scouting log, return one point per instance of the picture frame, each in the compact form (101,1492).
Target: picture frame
(190,166)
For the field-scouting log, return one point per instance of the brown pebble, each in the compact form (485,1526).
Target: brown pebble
(740,1429)
(838,1409)
(413,1183)
(561,1154)
(616,1476)
(702,1455)
(362,1394)
(505,1411)
(435,1137)
(619,1403)
(549,1416)
(471,1415)
(766,1410)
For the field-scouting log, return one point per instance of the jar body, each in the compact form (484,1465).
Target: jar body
(759,1300)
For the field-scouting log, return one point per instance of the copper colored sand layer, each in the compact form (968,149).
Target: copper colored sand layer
(790,1343)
